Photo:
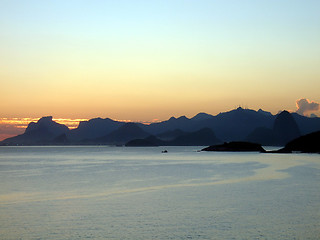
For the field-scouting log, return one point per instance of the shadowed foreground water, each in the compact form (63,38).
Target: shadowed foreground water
(140,193)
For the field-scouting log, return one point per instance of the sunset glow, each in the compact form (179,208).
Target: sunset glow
(145,60)
(10,127)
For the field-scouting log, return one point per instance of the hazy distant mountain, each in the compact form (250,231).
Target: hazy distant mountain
(284,130)
(123,134)
(202,137)
(306,124)
(228,126)
(262,135)
(183,123)
(42,132)
(235,125)
(171,134)
(150,141)
(94,128)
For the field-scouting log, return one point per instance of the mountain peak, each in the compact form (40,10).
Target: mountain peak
(123,134)
(202,116)
(179,118)
(285,127)
(44,122)
(284,112)
(264,112)
(182,118)
(46,119)
(41,132)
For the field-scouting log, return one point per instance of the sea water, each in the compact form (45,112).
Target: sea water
(101,192)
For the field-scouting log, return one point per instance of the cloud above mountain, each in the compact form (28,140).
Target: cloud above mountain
(305,106)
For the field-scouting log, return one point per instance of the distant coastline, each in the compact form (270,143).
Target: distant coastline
(240,124)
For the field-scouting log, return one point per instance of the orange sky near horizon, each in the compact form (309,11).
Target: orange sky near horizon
(10,127)
(146,60)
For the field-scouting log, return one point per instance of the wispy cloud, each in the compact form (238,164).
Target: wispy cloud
(10,127)
(305,106)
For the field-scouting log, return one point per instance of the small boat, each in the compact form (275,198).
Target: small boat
(164,151)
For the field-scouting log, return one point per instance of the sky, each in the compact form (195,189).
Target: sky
(148,60)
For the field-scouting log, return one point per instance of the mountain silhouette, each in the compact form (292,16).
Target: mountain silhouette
(202,116)
(123,134)
(94,128)
(284,130)
(306,124)
(262,135)
(260,111)
(170,135)
(202,137)
(39,133)
(227,126)
(183,123)
(307,144)
(235,125)
(151,141)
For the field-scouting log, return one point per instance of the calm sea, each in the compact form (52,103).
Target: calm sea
(141,193)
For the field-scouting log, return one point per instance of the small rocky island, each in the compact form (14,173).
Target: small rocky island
(236,147)
(309,143)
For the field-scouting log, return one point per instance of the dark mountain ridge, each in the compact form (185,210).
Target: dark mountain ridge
(42,132)
(309,143)
(234,125)
(94,128)
(202,137)
(123,134)
(284,130)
